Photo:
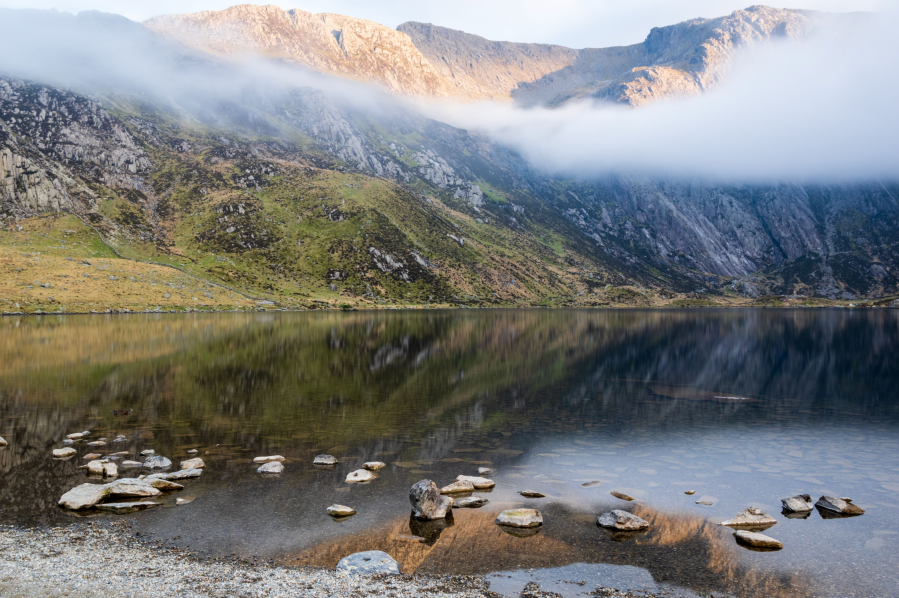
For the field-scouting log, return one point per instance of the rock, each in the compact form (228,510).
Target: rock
(360,475)
(75,436)
(121,454)
(621,495)
(340,511)
(65,442)
(456,487)
(271,467)
(324,460)
(268,459)
(757,540)
(531,494)
(183,501)
(95,467)
(471,502)
(374,466)
(482,471)
(842,506)
(520,518)
(690,492)
(85,433)
(147,453)
(110,470)
(92,456)
(704,502)
(191,452)
(96,443)
(84,496)
(195,463)
(157,462)
(801,503)
(164,485)
(427,502)
(371,562)
(63,453)
(132,487)
(478,482)
(127,507)
(177,475)
(132,464)
(622,520)
(751,517)
(593,483)
(3,442)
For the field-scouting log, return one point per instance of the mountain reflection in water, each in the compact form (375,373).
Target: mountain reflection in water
(744,407)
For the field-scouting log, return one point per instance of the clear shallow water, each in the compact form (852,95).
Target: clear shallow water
(744,407)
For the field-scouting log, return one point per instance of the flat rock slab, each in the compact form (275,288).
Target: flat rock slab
(132,487)
(164,485)
(756,540)
(478,482)
(374,465)
(340,511)
(751,517)
(621,495)
(195,463)
(324,460)
(360,475)
(801,503)
(75,436)
(64,453)
(471,502)
(622,520)
(368,563)
(520,518)
(270,459)
(84,496)
(131,464)
(127,507)
(841,506)
(184,474)
(427,502)
(531,494)
(271,467)
(457,487)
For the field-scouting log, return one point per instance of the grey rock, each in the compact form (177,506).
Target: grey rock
(268,459)
(66,442)
(84,496)
(64,453)
(457,487)
(164,485)
(750,517)
(75,436)
(133,487)
(192,452)
(622,520)
(482,471)
(340,511)
(195,463)
(324,460)
(372,562)
(127,507)
(471,502)
(757,540)
(271,467)
(157,462)
(478,482)
(842,506)
(800,503)
(520,518)
(427,502)
(177,475)
(147,453)
(374,466)
(360,475)
(96,443)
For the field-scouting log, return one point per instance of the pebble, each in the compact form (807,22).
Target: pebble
(92,456)
(96,443)
(75,436)
(192,452)
(157,462)
(147,453)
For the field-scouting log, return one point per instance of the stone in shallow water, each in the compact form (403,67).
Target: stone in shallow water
(177,475)
(360,475)
(84,496)
(267,459)
(127,507)
(195,463)
(427,502)
(192,452)
(751,517)
(75,436)
(66,442)
(183,501)
(590,484)
(164,485)
(271,467)
(96,443)
(621,495)
(3,442)
(368,563)
(456,487)
(147,453)
(340,511)
(324,460)
(157,462)
(133,487)
(690,492)
(374,465)
(127,464)
(801,503)
(482,471)
(63,453)
(531,494)
(520,518)
(91,456)
(478,482)
(841,506)
(757,540)
(622,520)
(471,502)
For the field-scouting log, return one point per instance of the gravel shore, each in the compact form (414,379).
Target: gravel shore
(96,559)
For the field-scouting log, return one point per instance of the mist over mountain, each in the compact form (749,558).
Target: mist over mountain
(321,157)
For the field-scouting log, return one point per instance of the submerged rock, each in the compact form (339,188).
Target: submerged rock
(64,453)
(265,459)
(340,511)
(478,482)
(191,452)
(271,467)
(622,520)
(801,503)
(127,507)
(84,496)
(457,487)
(427,502)
(531,494)
(756,540)
(471,502)
(840,506)
(157,462)
(482,471)
(324,460)
(133,487)
(751,517)
(371,562)
(66,442)
(590,484)
(374,465)
(195,463)
(183,501)
(621,495)
(520,518)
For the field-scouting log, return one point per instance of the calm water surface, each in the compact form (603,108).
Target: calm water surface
(744,407)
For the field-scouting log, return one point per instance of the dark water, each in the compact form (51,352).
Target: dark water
(744,407)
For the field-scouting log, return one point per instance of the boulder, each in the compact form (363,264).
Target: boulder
(751,517)
(371,562)
(482,471)
(622,520)
(132,487)
(324,460)
(531,494)
(841,506)
(265,459)
(271,467)
(157,462)
(427,502)
(801,503)
(520,518)
(340,511)
(127,507)
(374,466)
(360,475)
(3,442)
(195,463)
(471,502)
(478,482)
(64,453)
(621,495)
(456,487)
(756,540)
(84,496)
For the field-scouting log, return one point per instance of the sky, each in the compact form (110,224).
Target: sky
(573,23)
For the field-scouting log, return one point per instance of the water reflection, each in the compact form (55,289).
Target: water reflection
(743,407)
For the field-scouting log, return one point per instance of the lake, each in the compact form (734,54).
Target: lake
(744,407)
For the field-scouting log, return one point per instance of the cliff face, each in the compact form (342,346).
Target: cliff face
(327,43)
